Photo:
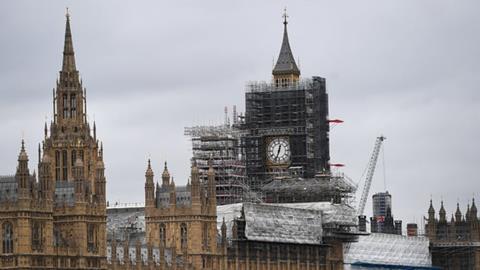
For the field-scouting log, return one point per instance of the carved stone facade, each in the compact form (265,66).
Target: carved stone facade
(182,231)
(59,220)
(454,244)
(183,219)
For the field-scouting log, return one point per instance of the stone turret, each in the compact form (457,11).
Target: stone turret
(23,174)
(443,214)
(458,214)
(196,186)
(165,176)
(431,212)
(46,178)
(149,186)
(100,182)
(473,211)
(211,188)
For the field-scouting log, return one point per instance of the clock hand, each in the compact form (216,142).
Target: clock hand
(278,152)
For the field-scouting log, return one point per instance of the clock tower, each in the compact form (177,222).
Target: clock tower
(286,122)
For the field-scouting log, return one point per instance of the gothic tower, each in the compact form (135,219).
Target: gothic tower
(286,127)
(182,219)
(59,221)
(77,171)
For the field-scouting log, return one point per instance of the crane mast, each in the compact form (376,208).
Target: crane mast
(371,170)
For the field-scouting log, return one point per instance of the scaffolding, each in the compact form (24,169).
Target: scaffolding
(299,112)
(221,145)
(328,187)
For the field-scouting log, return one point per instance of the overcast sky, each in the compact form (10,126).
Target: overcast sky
(407,69)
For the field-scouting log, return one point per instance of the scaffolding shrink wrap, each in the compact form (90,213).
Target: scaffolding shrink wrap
(388,250)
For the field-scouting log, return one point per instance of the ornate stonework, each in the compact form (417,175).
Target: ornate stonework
(59,220)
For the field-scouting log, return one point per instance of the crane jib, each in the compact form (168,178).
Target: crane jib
(371,170)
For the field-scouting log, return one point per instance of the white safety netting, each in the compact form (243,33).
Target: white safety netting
(273,223)
(389,249)
(339,214)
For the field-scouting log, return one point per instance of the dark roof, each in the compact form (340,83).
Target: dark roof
(65,193)
(8,188)
(285,62)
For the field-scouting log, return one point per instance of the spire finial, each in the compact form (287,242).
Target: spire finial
(68,54)
(149,165)
(285,16)
(23,144)
(285,63)
(67,13)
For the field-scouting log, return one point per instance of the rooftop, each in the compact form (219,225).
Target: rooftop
(389,250)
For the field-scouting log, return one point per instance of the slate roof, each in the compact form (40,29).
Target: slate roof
(183,196)
(8,188)
(285,62)
(65,193)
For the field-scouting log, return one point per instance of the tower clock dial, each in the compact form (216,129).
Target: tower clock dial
(278,151)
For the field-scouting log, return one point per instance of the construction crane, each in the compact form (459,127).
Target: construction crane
(368,179)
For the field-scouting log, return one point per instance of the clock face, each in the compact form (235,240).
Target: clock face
(278,151)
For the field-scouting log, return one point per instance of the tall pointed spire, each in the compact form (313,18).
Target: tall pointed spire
(68,54)
(443,213)
(286,62)
(23,154)
(458,213)
(165,176)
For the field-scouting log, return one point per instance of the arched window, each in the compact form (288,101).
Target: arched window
(7,233)
(65,107)
(37,235)
(74,157)
(163,234)
(57,165)
(183,236)
(65,165)
(73,106)
(57,237)
(91,238)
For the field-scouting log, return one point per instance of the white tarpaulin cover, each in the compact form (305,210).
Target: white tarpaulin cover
(388,249)
(339,214)
(273,223)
